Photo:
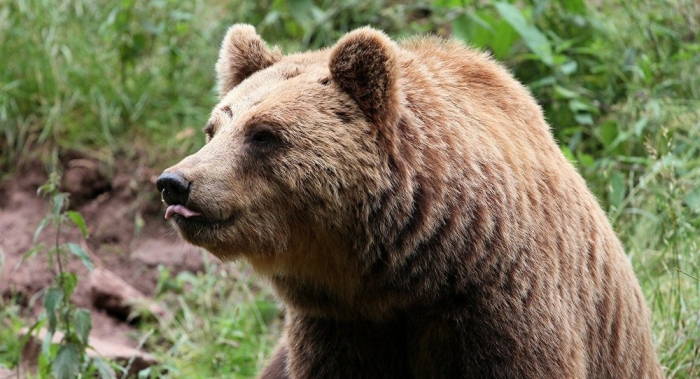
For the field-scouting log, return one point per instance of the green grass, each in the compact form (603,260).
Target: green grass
(10,324)
(619,82)
(93,75)
(223,325)
(655,168)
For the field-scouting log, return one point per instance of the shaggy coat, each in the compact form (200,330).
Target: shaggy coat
(412,210)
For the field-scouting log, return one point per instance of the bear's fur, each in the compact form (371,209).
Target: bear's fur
(410,207)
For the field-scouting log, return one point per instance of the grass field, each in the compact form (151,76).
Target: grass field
(619,82)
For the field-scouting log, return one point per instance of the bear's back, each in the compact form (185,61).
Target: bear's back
(479,162)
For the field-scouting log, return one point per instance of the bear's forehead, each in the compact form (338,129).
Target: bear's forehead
(309,65)
(302,69)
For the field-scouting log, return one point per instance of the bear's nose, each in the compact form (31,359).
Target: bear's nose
(174,188)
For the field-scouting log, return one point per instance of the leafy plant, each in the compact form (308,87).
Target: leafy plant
(309,24)
(66,359)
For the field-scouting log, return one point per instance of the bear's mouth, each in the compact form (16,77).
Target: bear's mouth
(180,210)
(183,216)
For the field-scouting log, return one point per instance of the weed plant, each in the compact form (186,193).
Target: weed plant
(67,358)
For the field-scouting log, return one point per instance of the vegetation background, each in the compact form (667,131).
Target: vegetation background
(619,82)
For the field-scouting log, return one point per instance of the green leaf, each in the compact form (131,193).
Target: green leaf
(451,3)
(692,199)
(103,369)
(608,133)
(574,6)
(564,92)
(577,105)
(543,82)
(640,125)
(59,202)
(79,221)
(568,68)
(83,324)
(586,160)
(46,188)
(66,365)
(535,40)
(79,252)
(584,118)
(46,344)
(616,190)
(477,20)
(68,281)
(29,254)
(461,29)
(52,298)
(484,30)
(145,373)
(301,11)
(41,227)
(503,37)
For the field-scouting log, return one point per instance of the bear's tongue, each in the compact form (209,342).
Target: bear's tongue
(181,210)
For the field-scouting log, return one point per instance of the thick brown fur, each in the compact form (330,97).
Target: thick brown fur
(410,207)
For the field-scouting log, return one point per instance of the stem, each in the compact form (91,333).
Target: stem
(61,281)
(58,254)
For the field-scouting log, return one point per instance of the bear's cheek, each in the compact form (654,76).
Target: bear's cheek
(242,213)
(244,234)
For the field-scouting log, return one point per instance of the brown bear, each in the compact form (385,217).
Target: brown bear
(410,207)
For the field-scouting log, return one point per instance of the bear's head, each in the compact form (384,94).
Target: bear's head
(294,150)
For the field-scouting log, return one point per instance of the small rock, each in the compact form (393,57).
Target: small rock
(176,254)
(111,293)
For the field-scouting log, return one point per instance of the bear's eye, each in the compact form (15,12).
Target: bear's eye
(209,130)
(263,137)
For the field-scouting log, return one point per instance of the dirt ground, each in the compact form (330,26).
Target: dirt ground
(127,235)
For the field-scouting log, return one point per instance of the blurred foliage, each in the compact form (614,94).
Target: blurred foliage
(220,319)
(619,82)
(10,323)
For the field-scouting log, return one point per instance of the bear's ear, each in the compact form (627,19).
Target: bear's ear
(363,64)
(242,54)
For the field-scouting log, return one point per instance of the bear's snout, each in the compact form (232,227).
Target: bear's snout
(173,186)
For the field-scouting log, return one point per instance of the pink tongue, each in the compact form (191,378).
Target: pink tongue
(181,210)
